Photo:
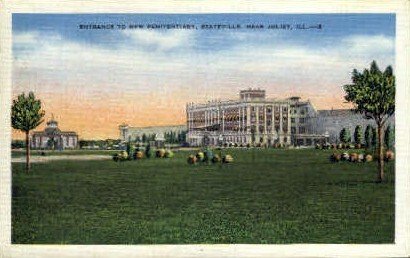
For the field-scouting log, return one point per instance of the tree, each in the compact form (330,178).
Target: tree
(372,93)
(358,134)
(368,136)
(345,135)
(389,137)
(26,115)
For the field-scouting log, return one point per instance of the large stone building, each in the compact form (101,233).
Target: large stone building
(253,118)
(53,138)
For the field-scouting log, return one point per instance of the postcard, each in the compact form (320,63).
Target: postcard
(149,130)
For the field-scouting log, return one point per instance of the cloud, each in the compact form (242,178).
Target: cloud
(161,40)
(368,44)
(165,61)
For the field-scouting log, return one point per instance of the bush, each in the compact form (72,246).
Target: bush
(208,155)
(149,152)
(160,153)
(168,154)
(335,157)
(216,158)
(389,155)
(200,156)
(227,159)
(191,159)
(122,156)
(354,157)
(368,158)
(139,155)
(345,156)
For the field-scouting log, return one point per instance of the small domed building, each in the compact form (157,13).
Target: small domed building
(52,138)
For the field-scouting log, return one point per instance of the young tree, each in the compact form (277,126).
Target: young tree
(372,93)
(368,136)
(389,137)
(358,134)
(26,115)
(345,135)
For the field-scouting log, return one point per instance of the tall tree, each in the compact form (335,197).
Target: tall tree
(26,114)
(389,137)
(358,134)
(368,136)
(372,93)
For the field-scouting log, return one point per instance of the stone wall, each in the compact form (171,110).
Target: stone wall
(333,121)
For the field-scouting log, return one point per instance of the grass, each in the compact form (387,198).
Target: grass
(22,152)
(271,196)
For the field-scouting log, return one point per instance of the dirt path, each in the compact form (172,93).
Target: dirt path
(36,159)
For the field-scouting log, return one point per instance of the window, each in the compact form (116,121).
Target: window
(292,120)
(293,130)
(301,120)
(301,129)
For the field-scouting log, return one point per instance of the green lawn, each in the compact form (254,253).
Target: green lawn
(271,196)
(22,153)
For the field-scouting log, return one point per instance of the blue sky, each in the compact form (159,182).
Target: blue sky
(52,56)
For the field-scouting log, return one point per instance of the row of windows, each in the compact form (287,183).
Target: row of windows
(301,120)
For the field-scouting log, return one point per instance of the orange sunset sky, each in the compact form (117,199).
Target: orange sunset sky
(93,81)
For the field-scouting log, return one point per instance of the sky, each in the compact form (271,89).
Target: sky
(93,80)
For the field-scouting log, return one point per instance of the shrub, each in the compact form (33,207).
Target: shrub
(368,158)
(227,159)
(335,157)
(200,156)
(149,152)
(354,157)
(160,153)
(208,155)
(139,155)
(389,155)
(318,146)
(169,154)
(345,156)
(389,137)
(358,135)
(123,155)
(368,136)
(216,158)
(191,159)
(130,150)
(344,135)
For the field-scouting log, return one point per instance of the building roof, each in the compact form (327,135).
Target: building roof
(53,130)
